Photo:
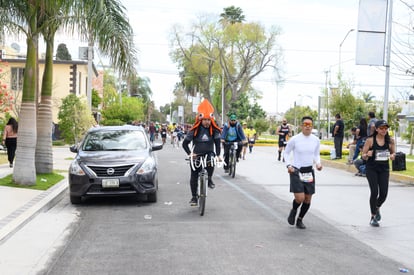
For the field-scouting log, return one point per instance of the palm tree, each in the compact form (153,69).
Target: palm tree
(105,23)
(232,15)
(367,97)
(21,17)
(113,34)
(50,20)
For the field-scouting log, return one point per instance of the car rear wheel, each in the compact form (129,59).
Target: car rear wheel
(75,199)
(152,197)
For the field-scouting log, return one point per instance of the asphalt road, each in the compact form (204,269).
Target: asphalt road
(244,230)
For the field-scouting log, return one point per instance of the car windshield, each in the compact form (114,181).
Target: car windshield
(117,140)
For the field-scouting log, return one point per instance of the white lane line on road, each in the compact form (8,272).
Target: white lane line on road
(253,199)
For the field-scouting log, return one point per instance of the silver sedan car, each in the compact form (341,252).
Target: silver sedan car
(114,161)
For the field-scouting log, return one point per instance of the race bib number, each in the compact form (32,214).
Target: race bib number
(306,177)
(382,155)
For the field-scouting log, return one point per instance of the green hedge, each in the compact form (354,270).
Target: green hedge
(266,141)
(326,152)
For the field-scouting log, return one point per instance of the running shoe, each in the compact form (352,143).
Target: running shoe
(292,216)
(378,215)
(299,224)
(193,201)
(374,222)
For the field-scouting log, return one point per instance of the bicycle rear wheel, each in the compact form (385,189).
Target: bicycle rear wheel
(202,196)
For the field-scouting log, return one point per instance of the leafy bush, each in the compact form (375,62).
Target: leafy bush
(74,119)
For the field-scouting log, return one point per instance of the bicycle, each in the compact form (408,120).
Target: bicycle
(202,182)
(232,158)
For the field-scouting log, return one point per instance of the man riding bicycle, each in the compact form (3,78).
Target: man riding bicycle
(232,132)
(205,136)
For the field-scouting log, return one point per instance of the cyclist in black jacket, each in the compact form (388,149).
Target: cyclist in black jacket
(205,138)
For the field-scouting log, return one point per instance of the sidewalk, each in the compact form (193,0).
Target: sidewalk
(18,205)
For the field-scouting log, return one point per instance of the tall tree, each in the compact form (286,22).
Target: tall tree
(62,52)
(367,97)
(49,20)
(232,15)
(117,32)
(139,87)
(246,50)
(197,56)
(105,23)
(21,17)
(240,51)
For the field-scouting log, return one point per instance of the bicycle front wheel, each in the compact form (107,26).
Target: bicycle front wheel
(230,164)
(203,194)
(233,167)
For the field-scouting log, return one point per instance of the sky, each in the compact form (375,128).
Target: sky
(312,31)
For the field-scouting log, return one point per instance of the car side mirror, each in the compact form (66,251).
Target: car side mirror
(73,148)
(156,146)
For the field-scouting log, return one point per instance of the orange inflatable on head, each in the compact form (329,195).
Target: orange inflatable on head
(205,111)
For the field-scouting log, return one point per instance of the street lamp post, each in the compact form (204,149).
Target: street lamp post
(340,49)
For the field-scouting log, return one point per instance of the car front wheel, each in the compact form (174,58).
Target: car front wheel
(152,197)
(75,199)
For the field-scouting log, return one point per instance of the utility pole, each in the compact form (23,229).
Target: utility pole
(89,82)
(327,104)
(387,61)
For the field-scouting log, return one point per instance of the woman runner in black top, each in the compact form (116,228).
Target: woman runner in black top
(378,149)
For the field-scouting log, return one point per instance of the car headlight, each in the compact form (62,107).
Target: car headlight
(75,169)
(147,167)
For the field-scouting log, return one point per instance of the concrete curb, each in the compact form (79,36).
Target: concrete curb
(42,202)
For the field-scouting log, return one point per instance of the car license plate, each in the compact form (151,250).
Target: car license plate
(110,183)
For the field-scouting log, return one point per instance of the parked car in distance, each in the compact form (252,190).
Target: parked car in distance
(114,161)
(315,133)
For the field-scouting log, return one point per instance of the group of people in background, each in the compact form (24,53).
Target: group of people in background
(370,151)
(370,137)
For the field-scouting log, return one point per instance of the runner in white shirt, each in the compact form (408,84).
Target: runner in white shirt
(305,150)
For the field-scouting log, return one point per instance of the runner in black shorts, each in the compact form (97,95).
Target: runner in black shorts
(284,133)
(305,150)
(298,186)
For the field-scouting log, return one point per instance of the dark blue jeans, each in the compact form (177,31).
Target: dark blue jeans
(360,142)
(338,145)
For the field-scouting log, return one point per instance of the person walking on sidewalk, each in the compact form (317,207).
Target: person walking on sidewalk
(377,151)
(10,139)
(305,148)
(338,135)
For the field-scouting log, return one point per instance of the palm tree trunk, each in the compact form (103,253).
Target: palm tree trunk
(44,149)
(24,172)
